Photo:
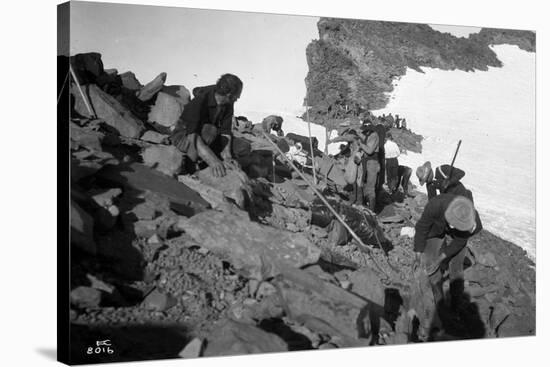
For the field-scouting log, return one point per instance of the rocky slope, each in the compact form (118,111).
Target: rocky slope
(355,61)
(167,265)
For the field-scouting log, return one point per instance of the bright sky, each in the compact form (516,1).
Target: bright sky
(194,47)
(455,30)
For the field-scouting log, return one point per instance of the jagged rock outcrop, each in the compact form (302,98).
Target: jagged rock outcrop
(259,250)
(355,61)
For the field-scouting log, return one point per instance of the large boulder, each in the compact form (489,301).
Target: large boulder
(182,199)
(86,297)
(235,338)
(324,307)
(152,88)
(215,197)
(129,81)
(366,283)
(81,137)
(87,66)
(259,250)
(169,105)
(165,158)
(108,109)
(235,184)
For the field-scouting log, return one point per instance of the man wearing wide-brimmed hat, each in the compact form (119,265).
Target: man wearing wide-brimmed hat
(441,236)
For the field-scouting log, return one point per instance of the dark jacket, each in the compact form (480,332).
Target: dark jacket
(432,224)
(203,109)
(455,189)
(454,185)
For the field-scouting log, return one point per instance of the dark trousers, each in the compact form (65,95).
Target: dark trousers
(455,261)
(372,170)
(357,196)
(403,176)
(392,166)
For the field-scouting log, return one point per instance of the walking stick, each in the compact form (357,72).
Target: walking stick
(456,152)
(454,157)
(311,144)
(92,114)
(340,219)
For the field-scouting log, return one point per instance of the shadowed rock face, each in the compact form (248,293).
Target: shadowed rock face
(355,61)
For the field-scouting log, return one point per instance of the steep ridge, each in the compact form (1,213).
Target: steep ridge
(356,61)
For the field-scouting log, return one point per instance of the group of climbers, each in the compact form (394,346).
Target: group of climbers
(371,157)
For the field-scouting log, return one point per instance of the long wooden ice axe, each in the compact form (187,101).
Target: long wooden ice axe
(362,245)
(84,98)
(454,158)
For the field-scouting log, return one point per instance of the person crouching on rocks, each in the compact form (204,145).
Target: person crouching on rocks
(403,176)
(204,128)
(441,236)
(274,123)
(446,180)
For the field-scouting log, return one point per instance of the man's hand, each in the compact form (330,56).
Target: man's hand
(218,169)
(215,164)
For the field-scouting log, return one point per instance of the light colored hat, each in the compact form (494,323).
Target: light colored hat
(461,214)
(424,172)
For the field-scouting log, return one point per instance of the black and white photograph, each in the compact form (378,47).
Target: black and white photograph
(248,182)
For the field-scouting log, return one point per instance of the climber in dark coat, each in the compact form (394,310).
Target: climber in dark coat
(445,180)
(441,236)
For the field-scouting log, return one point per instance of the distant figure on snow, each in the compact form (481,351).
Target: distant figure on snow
(397,121)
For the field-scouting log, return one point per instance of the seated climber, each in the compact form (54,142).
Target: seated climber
(241,124)
(207,119)
(446,180)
